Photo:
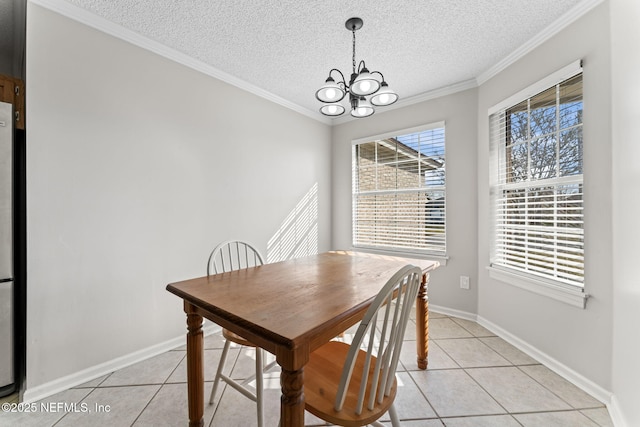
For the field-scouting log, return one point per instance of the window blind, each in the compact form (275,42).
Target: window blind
(399,192)
(537,185)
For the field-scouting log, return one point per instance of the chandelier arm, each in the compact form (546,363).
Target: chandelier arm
(344,82)
(377,72)
(361,65)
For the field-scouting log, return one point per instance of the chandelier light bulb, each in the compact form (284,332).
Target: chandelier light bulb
(365,84)
(385,96)
(362,109)
(330,91)
(332,109)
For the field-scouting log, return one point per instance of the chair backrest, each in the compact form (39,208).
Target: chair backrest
(392,307)
(233,255)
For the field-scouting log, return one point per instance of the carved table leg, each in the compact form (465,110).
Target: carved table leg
(292,400)
(195,369)
(422,323)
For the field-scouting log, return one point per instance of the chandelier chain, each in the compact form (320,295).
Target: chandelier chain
(353,59)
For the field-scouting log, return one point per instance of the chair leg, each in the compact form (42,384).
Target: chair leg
(259,385)
(395,421)
(216,381)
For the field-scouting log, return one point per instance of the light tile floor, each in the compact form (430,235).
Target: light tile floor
(474,379)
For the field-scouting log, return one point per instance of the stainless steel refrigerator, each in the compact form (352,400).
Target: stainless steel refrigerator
(7,284)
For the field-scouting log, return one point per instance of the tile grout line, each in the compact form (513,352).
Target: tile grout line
(147,404)
(556,394)
(67,413)
(158,390)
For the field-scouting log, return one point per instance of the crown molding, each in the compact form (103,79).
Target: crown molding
(554,28)
(422,97)
(87,18)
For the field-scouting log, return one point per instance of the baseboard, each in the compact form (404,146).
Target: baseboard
(42,391)
(616,414)
(564,371)
(453,312)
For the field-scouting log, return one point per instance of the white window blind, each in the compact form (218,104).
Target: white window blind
(399,192)
(537,185)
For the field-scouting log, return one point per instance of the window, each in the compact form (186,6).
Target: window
(537,188)
(399,191)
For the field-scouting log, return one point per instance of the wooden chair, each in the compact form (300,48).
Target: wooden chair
(228,256)
(354,385)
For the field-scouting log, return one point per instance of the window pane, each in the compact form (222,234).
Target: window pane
(570,206)
(570,114)
(543,157)
(411,141)
(386,151)
(409,174)
(571,152)
(540,207)
(367,151)
(516,207)
(517,163)
(366,166)
(387,177)
(518,122)
(434,177)
(543,113)
(571,102)
(434,210)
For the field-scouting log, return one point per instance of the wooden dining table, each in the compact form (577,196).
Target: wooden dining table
(290,308)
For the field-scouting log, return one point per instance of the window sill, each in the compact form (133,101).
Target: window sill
(574,297)
(442,259)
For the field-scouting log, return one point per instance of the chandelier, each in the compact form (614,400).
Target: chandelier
(361,85)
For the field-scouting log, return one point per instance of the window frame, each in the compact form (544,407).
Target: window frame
(415,252)
(556,289)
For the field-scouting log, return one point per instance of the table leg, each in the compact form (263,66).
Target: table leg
(422,323)
(195,370)
(292,400)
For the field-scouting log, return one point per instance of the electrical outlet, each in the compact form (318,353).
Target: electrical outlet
(464,282)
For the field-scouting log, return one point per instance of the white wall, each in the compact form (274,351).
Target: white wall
(459,113)
(579,339)
(137,167)
(625,44)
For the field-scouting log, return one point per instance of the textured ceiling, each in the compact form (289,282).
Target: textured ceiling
(287,47)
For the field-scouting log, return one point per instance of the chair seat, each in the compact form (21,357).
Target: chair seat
(227,334)
(323,372)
